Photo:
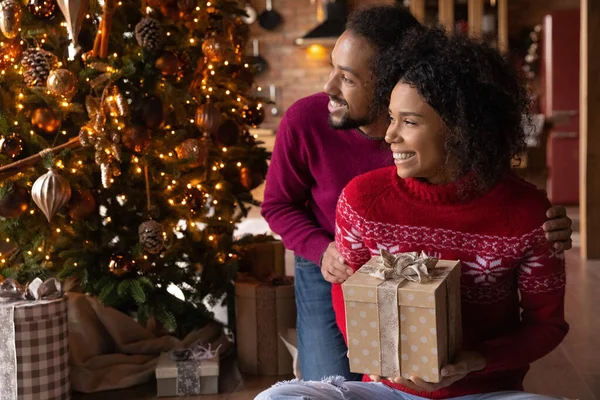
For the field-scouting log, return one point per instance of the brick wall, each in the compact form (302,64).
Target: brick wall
(298,72)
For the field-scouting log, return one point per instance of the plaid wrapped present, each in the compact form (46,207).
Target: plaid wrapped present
(34,353)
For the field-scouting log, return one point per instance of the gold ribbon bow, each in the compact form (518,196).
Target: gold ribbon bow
(412,266)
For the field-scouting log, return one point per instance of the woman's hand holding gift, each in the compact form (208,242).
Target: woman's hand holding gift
(464,363)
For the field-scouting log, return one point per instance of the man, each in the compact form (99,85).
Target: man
(324,141)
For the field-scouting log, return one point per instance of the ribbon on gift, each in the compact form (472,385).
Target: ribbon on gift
(37,289)
(11,295)
(189,366)
(197,351)
(412,266)
(393,270)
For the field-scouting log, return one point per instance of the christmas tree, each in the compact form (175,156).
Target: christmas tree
(125,153)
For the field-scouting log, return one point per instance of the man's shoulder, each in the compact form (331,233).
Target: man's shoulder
(309,109)
(314,102)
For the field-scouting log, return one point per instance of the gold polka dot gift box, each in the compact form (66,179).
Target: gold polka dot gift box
(403,315)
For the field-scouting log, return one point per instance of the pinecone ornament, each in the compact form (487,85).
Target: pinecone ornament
(37,65)
(150,34)
(152,236)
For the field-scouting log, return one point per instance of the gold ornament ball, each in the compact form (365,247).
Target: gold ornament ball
(10,18)
(42,9)
(193,150)
(63,83)
(119,265)
(246,178)
(44,120)
(149,112)
(217,49)
(11,145)
(228,133)
(136,138)
(167,63)
(253,114)
(250,179)
(208,118)
(82,204)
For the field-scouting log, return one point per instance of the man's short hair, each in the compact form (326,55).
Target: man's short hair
(382,26)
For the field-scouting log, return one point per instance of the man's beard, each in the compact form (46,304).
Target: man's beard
(354,123)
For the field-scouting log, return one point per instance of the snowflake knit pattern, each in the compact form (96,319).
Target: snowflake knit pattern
(507,264)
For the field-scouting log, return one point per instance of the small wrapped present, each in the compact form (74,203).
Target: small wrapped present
(403,316)
(264,310)
(263,259)
(188,372)
(34,351)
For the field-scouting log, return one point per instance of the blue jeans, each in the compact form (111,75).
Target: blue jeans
(321,346)
(335,388)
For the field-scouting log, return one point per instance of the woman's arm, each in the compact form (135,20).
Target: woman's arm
(541,280)
(348,232)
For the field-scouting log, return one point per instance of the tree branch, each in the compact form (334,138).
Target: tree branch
(9,170)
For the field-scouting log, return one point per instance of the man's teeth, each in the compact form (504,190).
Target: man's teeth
(403,156)
(337,104)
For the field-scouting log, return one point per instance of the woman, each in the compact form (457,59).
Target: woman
(456,112)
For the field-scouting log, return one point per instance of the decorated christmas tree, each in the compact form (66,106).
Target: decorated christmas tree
(125,153)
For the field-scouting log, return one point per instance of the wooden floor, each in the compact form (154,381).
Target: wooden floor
(572,370)
(232,386)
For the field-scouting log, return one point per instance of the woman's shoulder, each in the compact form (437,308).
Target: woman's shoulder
(362,190)
(524,202)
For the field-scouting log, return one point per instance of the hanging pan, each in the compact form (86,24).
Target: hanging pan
(270,19)
(256,61)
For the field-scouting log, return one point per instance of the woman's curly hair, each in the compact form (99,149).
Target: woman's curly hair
(478,95)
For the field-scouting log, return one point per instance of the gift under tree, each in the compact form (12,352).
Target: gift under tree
(125,153)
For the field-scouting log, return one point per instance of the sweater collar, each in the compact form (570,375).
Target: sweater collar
(450,193)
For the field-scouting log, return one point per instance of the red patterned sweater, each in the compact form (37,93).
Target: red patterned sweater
(499,239)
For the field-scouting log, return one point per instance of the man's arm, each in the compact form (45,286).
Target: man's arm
(287,192)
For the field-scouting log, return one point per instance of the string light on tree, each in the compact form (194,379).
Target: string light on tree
(42,9)
(11,145)
(14,201)
(170,118)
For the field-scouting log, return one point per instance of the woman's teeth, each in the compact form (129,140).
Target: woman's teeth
(403,156)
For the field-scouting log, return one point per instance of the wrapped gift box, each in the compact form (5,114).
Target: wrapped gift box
(34,351)
(263,312)
(186,378)
(265,259)
(398,327)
